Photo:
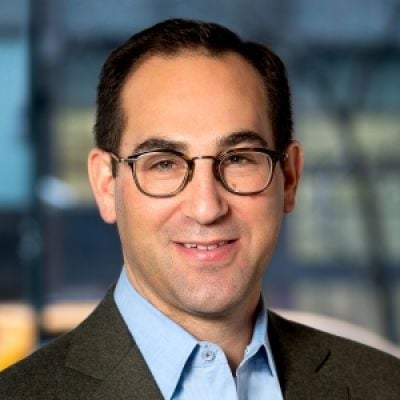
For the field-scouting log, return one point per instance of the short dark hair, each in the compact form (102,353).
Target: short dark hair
(170,37)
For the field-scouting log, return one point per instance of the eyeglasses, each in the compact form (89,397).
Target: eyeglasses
(165,173)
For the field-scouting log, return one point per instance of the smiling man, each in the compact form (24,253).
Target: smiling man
(195,163)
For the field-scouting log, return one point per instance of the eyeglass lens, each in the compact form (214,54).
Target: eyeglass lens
(164,173)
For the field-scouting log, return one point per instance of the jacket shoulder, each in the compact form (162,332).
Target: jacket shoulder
(72,365)
(338,343)
(35,376)
(368,371)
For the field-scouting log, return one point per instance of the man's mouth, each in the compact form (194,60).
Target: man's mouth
(205,247)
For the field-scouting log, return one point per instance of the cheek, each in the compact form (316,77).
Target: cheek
(139,216)
(262,216)
(263,209)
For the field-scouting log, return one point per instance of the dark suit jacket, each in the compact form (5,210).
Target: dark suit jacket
(99,360)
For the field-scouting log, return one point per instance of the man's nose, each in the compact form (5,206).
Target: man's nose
(205,198)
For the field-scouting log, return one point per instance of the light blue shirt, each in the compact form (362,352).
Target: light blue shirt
(185,368)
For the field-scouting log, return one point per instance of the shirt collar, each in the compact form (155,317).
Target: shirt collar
(165,345)
(260,339)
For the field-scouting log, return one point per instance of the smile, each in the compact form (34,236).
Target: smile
(202,253)
(205,247)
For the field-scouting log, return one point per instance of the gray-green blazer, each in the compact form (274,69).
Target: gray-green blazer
(99,360)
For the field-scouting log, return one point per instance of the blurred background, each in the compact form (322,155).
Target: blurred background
(339,253)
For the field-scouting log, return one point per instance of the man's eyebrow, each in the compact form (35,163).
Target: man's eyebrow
(155,143)
(241,137)
(230,140)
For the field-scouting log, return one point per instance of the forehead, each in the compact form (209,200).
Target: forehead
(194,98)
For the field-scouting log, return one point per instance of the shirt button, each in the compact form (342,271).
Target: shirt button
(208,355)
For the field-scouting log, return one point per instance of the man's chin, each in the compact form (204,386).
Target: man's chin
(213,307)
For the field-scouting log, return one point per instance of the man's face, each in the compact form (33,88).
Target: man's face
(198,104)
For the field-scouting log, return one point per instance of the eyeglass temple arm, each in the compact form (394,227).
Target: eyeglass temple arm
(117,158)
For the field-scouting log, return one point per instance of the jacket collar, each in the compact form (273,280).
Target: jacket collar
(105,357)
(108,364)
(305,362)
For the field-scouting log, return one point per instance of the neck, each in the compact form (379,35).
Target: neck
(232,333)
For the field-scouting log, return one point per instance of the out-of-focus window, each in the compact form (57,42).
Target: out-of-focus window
(339,253)
(15,149)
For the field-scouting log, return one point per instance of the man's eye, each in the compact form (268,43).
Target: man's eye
(240,159)
(163,165)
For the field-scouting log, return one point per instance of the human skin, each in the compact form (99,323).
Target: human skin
(197,103)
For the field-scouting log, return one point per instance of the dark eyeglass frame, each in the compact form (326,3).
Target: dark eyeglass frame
(274,155)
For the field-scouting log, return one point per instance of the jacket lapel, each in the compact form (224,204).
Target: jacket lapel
(305,362)
(103,361)
(128,381)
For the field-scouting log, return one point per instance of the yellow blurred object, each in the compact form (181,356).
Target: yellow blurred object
(18,333)
(59,318)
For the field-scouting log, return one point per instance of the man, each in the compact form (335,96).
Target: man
(195,163)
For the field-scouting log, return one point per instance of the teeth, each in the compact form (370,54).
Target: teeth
(189,245)
(203,247)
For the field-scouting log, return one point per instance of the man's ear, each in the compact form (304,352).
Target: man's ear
(102,183)
(292,168)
